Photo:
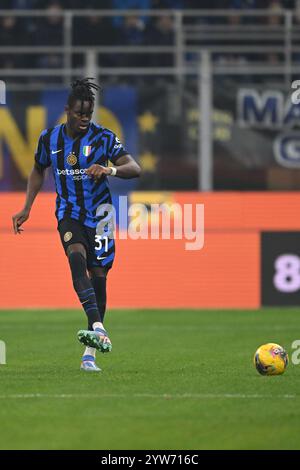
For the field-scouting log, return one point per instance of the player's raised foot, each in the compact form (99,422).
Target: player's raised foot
(88,364)
(95,339)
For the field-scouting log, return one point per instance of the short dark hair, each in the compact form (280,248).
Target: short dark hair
(82,90)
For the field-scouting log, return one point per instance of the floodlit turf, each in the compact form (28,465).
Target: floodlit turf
(174,380)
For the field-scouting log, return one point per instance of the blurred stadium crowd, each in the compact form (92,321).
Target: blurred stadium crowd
(103,31)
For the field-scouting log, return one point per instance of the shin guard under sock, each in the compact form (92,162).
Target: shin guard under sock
(84,287)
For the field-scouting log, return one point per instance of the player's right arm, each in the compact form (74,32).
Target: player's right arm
(34,184)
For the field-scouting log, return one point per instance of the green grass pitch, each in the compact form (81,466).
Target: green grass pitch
(175,379)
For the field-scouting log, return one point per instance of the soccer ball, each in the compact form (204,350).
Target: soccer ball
(271,359)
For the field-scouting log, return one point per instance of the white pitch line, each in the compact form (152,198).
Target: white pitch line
(194,328)
(197,396)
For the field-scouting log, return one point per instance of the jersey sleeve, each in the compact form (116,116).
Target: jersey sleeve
(42,157)
(116,149)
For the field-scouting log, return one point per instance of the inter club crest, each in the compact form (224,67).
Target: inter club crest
(72,159)
(68,236)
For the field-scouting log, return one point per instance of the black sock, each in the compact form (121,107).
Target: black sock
(99,284)
(84,288)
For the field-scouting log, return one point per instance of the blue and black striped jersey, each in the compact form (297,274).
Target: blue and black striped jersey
(78,195)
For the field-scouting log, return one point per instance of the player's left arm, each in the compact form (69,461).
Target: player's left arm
(126,167)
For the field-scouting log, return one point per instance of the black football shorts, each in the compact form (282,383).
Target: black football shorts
(100,249)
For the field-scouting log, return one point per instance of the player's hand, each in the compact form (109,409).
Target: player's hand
(19,219)
(96,171)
